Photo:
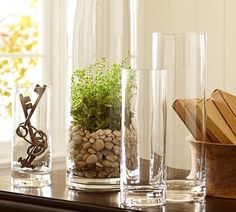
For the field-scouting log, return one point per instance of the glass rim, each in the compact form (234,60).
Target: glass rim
(31,86)
(180,33)
(215,144)
(143,69)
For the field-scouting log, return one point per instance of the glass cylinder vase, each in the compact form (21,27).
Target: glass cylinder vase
(31,146)
(99,53)
(183,55)
(143,138)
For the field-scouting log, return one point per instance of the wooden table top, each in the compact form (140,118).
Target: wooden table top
(58,197)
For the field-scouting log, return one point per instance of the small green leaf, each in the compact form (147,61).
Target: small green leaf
(92,111)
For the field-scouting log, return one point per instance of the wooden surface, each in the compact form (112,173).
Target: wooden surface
(221,170)
(58,198)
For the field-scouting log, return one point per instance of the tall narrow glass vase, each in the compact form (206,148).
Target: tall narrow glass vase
(183,55)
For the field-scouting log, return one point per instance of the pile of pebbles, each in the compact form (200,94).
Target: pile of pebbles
(97,154)
(131,149)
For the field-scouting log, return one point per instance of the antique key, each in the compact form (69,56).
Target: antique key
(39,90)
(26,105)
(33,151)
(38,139)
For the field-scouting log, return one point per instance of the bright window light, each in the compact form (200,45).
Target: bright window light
(21,53)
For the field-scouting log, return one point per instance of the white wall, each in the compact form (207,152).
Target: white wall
(215,17)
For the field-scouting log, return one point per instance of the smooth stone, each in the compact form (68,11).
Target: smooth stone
(91,159)
(115,141)
(116,149)
(92,151)
(116,133)
(85,157)
(100,132)
(83,151)
(107,131)
(95,135)
(82,133)
(81,164)
(99,164)
(85,139)
(110,164)
(102,136)
(112,158)
(109,145)
(87,145)
(106,152)
(91,140)
(80,157)
(98,145)
(109,139)
(99,156)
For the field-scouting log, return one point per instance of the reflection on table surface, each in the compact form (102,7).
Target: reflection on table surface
(59,191)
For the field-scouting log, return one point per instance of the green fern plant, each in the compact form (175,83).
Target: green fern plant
(96,96)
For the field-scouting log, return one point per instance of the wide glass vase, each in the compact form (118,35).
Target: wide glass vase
(94,126)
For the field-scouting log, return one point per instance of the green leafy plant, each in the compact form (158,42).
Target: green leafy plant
(96,96)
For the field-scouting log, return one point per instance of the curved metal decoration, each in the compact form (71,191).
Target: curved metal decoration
(36,138)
